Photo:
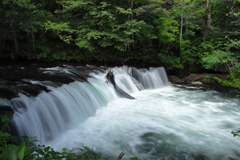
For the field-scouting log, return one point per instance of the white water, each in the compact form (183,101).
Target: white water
(163,122)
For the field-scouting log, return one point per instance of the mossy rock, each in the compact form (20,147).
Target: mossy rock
(208,80)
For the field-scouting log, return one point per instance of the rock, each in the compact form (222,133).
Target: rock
(175,79)
(110,78)
(220,68)
(120,92)
(193,68)
(197,82)
(193,78)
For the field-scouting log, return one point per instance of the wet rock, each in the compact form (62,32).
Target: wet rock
(197,82)
(110,78)
(175,79)
(120,92)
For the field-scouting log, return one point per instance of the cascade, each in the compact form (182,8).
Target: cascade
(49,115)
(69,107)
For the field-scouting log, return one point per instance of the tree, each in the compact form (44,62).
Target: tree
(20,17)
(99,27)
(227,46)
(187,10)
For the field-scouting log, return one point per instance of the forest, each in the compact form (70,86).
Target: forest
(177,33)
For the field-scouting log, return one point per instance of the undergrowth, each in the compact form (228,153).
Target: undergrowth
(228,82)
(26,149)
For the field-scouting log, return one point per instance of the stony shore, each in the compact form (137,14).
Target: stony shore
(193,78)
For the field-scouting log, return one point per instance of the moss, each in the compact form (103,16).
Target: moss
(208,80)
(222,82)
(227,83)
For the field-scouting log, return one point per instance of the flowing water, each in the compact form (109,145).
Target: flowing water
(162,122)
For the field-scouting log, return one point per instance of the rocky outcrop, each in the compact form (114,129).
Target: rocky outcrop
(193,78)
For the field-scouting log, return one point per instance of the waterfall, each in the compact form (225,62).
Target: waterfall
(49,115)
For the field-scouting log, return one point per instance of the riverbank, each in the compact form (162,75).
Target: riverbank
(193,78)
(206,79)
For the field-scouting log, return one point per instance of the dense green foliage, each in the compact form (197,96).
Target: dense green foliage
(228,82)
(177,33)
(26,149)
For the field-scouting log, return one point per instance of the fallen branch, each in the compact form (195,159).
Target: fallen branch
(120,156)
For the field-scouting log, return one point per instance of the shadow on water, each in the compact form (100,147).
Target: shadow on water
(219,90)
(170,147)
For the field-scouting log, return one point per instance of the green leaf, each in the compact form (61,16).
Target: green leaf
(47,149)
(13,154)
(29,152)
(86,148)
(21,151)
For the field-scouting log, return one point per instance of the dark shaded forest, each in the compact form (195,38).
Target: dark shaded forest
(176,33)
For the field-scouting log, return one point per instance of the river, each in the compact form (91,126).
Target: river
(69,106)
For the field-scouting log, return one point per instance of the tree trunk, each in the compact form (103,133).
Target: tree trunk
(1,43)
(208,24)
(33,41)
(16,42)
(42,33)
(181,28)
(132,19)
